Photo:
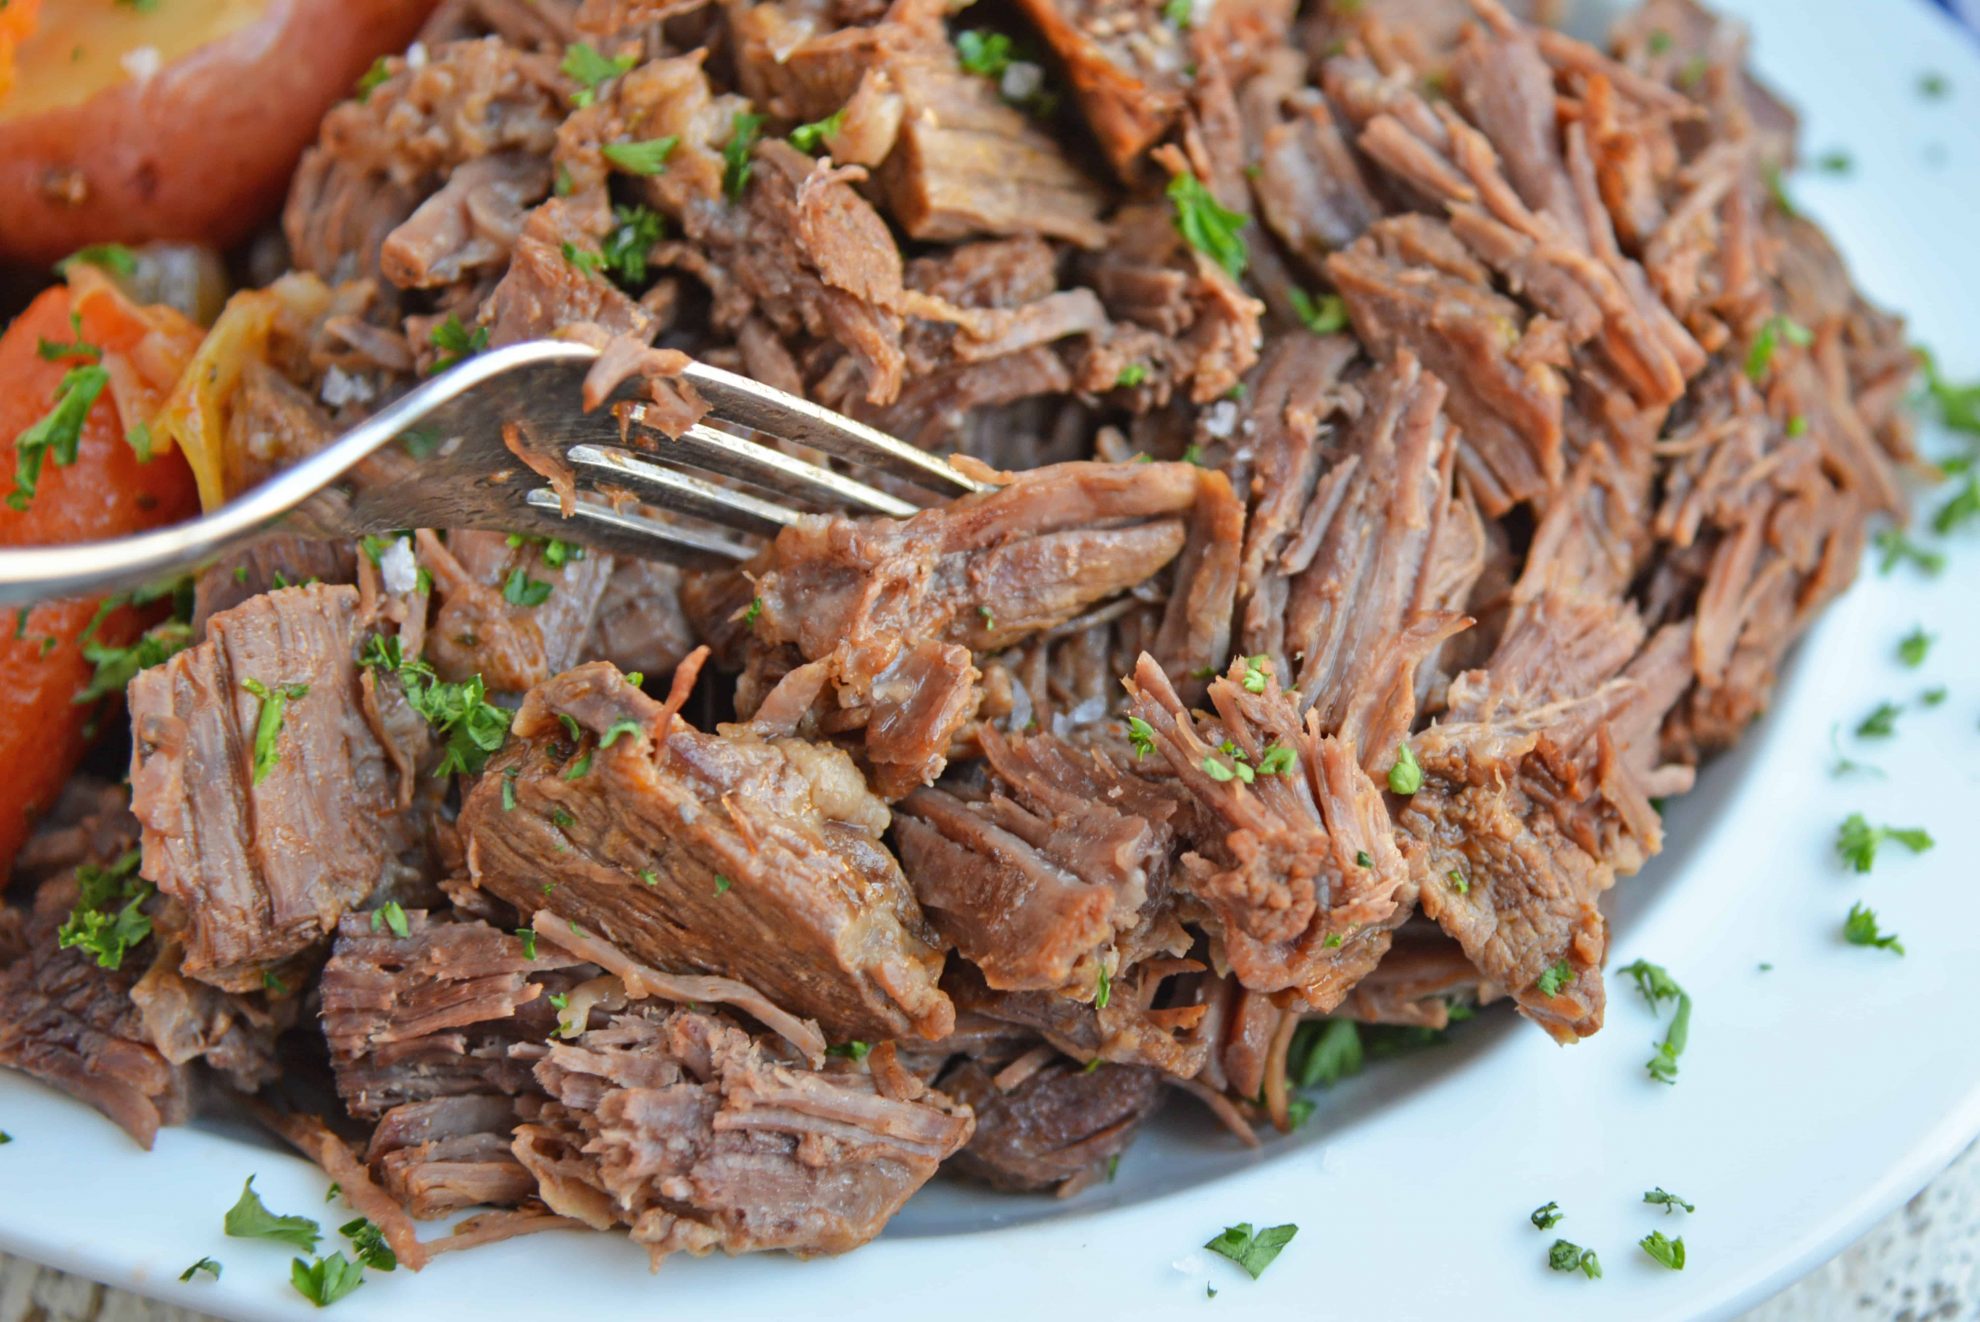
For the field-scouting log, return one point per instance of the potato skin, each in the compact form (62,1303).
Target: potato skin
(204,148)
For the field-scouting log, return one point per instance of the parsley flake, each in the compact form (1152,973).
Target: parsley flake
(249,1218)
(1546,1216)
(391,915)
(58,433)
(1130,376)
(519,589)
(1277,760)
(326,1280)
(1670,1202)
(455,343)
(810,137)
(1894,549)
(207,1265)
(1324,1052)
(1141,735)
(1323,315)
(744,129)
(624,726)
(268,722)
(1557,976)
(527,935)
(1857,841)
(1912,649)
(368,1244)
(1881,723)
(1670,1252)
(583,63)
(1207,225)
(1252,1250)
(635,231)
(853,1050)
(1860,929)
(641,158)
(1406,776)
(1760,358)
(108,917)
(1566,1257)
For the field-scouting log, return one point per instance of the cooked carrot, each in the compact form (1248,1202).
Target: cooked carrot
(107,491)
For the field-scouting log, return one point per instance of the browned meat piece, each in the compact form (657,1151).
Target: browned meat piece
(379,156)
(680,1127)
(278,561)
(1128,1030)
(264,850)
(1309,183)
(1505,393)
(72,1024)
(543,290)
(470,224)
(1537,783)
(450,1153)
(1294,860)
(1382,566)
(513,614)
(433,1014)
(1129,70)
(1056,1129)
(1424,974)
(1054,878)
(685,850)
(871,623)
(639,624)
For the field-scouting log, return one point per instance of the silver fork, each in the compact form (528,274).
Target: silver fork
(468,477)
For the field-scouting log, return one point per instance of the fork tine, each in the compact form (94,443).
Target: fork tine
(596,523)
(680,492)
(771,470)
(763,408)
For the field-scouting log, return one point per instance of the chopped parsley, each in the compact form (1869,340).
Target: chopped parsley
(1566,1257)
(368,1244)
(1760,358)
(1132,375)
(249,1218)
(1256,671)
(55,351)
(455,343)
(116,665)
(744,129)
(207,1265)
(1323,315)
(1860,929)
(108,918)
(1797,425)
(1277,760)
(642,158)
(1962,509)
(583,258)
(1364,859)
(1179,13)
(1835,162)
(1459,882)
(1141,735)
(577,769)
(1207,225)
(652,878)
(583,63)
(268,722)
(1252,1250)
(390,915)
(369,81)
(473,726)
(1670,1252)
(58,434)
(1406,776)
(509,788)
(527,935)
(326,1280)
(624,726)
(853,1050)
(1670,1202)
(272,983)
(140,440)
(1555,977)
(721,883)
(1324,1052)
(1857,841)
(636,230)
(810,137)
(1914,646)
(1546,1216)
(521,590)
(1103,989)
(1657,986)
(981,51)
(753,613)
(562,820)
(1933,86)
(1236,769)
(112,257)
(1881,723)
(1894,549)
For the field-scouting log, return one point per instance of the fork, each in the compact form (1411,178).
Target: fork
(468,477)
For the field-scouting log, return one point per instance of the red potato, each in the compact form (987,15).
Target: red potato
(93,150)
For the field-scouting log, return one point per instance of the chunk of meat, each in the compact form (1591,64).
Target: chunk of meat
(450,1153)
(685,850)
(869,625)
(680,1127)
(265,831)
(1042,880)
(1293,858)
(1055,1130)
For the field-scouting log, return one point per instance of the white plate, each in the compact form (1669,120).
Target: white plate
(1812,1099)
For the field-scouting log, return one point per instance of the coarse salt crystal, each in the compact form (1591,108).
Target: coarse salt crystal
(398,567)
